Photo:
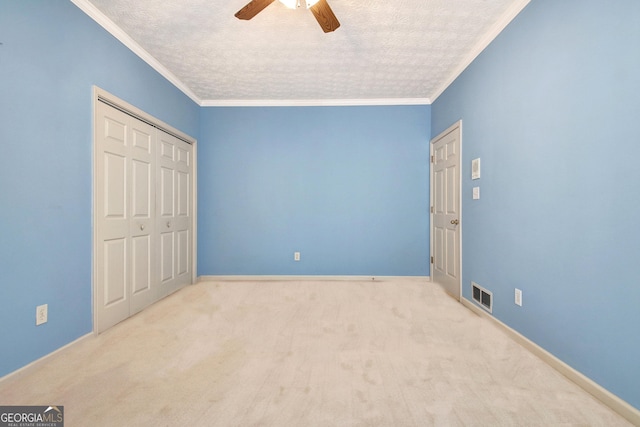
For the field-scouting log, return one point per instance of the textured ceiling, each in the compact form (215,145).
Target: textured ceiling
(402,50)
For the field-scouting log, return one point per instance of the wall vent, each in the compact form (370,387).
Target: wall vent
(483,297)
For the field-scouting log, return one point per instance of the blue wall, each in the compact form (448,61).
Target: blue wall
(348,187)
(551,107)
(51,55)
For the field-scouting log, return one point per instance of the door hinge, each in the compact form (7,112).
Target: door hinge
(431,209)
(432,159)
(431,260)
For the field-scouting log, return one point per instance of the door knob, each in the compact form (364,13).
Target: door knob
(455,222)
(141,226)
(168,224)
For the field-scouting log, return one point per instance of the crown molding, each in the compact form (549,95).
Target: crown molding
(117,32)
(312,102)
(482,44)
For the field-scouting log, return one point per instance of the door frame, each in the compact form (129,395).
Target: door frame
(450,129)
(100,95)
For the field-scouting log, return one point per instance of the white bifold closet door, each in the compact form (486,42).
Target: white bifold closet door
(173,214)
(143,225)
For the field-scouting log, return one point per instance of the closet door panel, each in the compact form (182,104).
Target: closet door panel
(115,185)
(183,211)
(142,223)
(112,201)
(166,192)
(182,253)
(141,253)
(165,223)
(167,257)
(175,216)
(115,273)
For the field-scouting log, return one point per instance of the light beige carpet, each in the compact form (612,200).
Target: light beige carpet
(323,353)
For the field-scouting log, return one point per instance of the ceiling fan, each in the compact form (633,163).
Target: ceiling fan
(320,8)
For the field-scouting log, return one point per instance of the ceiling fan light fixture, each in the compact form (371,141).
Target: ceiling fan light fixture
(320,9)
(291,4)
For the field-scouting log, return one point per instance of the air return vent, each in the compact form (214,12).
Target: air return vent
(482,296)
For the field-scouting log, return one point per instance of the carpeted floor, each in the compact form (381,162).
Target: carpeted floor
(313,353)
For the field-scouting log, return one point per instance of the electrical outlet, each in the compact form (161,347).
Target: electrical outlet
(296,256)
(41,314)
(518,297)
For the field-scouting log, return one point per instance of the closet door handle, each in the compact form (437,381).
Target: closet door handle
(168,224)
(141,226)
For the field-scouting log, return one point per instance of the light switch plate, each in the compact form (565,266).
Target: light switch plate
(475,168)
(476,193)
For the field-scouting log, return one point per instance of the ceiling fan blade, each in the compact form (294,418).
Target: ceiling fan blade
(325,17)
(252,9)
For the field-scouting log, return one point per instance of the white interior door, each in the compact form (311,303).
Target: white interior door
(125,258)
(174,212)
(446,211)
(112,216)
(142,223)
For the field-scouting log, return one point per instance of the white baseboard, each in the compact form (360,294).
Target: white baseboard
(620,406)
(27,368)
(258,278)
